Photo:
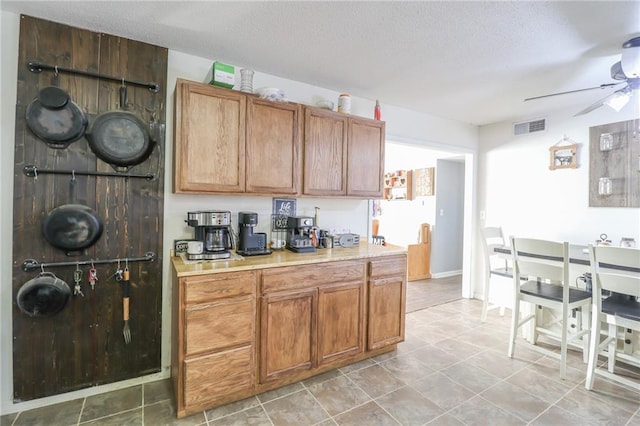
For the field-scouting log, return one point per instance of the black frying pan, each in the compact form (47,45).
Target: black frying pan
(72,227)
(55,119)
(119,137)
(43,296)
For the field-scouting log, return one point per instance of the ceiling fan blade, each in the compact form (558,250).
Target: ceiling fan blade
(602,86)
(601,102)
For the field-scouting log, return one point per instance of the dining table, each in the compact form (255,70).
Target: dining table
(579,264)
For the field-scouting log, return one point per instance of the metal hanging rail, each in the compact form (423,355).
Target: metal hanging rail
(35,66)
(33,171)
(32,264)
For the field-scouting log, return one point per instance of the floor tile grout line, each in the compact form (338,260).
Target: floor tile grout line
(84,401)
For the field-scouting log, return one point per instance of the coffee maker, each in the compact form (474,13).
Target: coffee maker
(213,228)
(250,243)
(299,234)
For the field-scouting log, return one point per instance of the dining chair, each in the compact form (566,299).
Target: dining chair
(496,266)
(545,265)
(620,312)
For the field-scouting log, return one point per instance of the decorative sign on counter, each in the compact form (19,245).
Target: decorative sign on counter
(282,207)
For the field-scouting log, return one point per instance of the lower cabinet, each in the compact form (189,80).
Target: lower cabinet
(317,323)
(241,333)
(287,333)
(213,354)
(387,301)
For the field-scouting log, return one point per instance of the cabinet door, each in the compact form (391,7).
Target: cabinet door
(288,333)
(212,378)
(365,158)
(209,140)
(325,153)
(273,161)
(340,321)
(386,311)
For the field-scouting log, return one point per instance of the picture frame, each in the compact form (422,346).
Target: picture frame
(563,157)
(282,208)
(424,182)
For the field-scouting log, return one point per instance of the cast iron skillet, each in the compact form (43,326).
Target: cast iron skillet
(72,227)
(119,137)
(43,296)
(55,119)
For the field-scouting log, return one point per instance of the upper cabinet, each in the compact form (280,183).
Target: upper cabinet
(343,154)
(365,158)
(325,152)
(273,147)
(209,139)
(230,142)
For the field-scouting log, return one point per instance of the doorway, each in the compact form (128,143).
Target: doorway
(448,211)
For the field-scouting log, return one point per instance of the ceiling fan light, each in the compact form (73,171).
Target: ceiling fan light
(618,101)
(630,61)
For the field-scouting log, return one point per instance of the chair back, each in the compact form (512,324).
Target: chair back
(492,237)
(614,280)
(540,260)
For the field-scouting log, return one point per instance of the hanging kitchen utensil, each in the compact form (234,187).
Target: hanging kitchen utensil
(119,137)
(72,227)
(43,296)
(55,119)
(126,331)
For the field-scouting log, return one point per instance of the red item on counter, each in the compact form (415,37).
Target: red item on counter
(376,111)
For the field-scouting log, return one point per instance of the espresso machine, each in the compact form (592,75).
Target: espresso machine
(250,243)
(213,228)
(300,234)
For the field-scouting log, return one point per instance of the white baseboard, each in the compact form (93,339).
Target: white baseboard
(447,274)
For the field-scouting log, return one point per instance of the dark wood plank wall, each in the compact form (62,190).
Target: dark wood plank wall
(83,345)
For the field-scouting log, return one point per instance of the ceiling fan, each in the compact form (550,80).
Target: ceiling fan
(627,70)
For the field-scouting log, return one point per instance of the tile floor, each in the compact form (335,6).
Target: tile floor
(451,370)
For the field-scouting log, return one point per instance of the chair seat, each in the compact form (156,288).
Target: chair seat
(503,272)
(552,292)
(623,306)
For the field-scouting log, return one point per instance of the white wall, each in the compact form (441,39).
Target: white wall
(517,190)
(402,124)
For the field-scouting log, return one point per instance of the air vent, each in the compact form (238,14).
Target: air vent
(529,127)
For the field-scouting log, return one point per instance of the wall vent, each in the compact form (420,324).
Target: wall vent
(529,127)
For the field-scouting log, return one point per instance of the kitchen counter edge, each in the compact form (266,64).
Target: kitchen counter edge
(282,258)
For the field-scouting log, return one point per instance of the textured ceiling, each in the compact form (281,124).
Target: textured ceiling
(470,61)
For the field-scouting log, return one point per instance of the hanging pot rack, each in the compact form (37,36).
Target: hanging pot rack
(33,171)
(35,66)
(32,264)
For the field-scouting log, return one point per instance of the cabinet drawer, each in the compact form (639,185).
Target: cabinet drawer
(308,276)
(219,325)
(210,378)
(207,288)
(396,265)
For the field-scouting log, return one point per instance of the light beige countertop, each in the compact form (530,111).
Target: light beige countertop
(281,258)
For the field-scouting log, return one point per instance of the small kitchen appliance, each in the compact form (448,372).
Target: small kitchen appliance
(250,243)
(213,228)
(300,234)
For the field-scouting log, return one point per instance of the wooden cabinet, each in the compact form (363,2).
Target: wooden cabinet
(387,299)
(343,154)
(273,148)
(325,152)
(209,139)
(287,333)
(237,334)
(231,142)
(310,316)
(365,157)
(213,357)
